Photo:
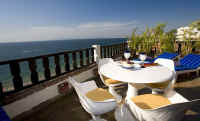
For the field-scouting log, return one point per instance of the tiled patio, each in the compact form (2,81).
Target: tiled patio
(68,108)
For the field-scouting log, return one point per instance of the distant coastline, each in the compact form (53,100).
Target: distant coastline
(72,39)
(16,50)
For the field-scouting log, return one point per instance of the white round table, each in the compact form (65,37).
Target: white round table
(153,74)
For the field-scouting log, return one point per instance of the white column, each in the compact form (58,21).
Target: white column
(132,91)
(97,52)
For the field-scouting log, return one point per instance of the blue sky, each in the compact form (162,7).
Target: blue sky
(29,20)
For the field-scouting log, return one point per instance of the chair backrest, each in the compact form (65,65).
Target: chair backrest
(81,90)
(101,63)
(92,107)
(166,62)
(170,65)
(104,61)
(173,112)
(191,60)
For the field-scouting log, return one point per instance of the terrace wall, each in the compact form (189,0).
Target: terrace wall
(30,101)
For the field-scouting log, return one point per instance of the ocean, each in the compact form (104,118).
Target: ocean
(10,51)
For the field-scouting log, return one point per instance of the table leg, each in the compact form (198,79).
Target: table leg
(114,93)
(132,91)
(122,113)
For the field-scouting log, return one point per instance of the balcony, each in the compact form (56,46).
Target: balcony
(40,100)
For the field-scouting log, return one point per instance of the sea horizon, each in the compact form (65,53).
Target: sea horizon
(68,39)
(27,48)
(18,50)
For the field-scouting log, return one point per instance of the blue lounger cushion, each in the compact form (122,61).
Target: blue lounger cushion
(166,55)
(189,62)
(3,115)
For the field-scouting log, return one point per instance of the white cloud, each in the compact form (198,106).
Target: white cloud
(86,30)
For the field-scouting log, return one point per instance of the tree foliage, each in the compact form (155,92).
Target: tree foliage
(195,24)
(152,38)
(157,37)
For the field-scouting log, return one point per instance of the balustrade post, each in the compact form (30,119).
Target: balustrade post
(111,51)
(33,70)
(123,49)
(120,50)
(74,60)
(101,49)
(87,57)
(66,59)
(125,45)
(97,52)
(105,52)
(15,71)
(47,72)
(81,58)
(92,54)
(115,51)
(108,49)
(57,63)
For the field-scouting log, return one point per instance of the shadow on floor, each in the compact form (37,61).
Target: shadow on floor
(68,108)
(191,94)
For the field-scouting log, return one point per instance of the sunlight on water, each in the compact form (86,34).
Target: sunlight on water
(25,73)
(6,78)
(40,69)
(62,63)
(52,66)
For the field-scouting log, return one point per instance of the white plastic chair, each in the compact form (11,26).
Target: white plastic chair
(172,112)
(166,62)
(170,65)
(110,86)
(95,109)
